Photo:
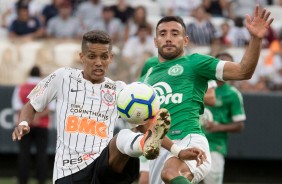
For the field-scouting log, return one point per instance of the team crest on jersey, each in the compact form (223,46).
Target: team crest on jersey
(175,70)
(108,97)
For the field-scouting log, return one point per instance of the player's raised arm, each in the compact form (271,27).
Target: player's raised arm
(257,27)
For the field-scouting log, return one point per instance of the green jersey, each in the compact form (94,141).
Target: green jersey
(181,84)
(228,108)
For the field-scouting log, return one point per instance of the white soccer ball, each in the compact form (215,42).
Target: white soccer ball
(205,117)
(138,102)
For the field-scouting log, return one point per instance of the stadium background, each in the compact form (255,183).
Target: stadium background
(254,156)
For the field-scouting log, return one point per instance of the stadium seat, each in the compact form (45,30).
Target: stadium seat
(199,49)
(236,52)
(6,49)
(65,54)
(27,54)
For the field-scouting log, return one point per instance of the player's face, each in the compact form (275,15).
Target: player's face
(170,40)
(96,60)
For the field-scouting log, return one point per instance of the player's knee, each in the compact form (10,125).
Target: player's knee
(168,174)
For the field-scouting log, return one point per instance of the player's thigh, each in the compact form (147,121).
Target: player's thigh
(199,141)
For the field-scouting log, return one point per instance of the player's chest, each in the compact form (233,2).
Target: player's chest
(83,94)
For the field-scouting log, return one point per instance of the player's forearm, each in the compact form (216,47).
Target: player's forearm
(232,127)
(27,113)
(167,143)
(250,58)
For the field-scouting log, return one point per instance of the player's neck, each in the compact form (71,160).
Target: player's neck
(162,60)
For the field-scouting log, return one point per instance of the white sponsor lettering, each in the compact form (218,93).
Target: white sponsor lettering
(166,95)
(4,116)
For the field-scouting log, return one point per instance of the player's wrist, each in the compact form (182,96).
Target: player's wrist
(175,150)
(23,123)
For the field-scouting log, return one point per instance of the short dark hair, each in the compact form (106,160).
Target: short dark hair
(172,19)
(224,54)
(35,72)
(96,36)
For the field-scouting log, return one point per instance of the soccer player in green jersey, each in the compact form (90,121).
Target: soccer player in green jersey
(181,82)
(228,116)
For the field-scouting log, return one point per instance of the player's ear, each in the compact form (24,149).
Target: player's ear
(186,41)
(156,43)
(111,57)
(81,57)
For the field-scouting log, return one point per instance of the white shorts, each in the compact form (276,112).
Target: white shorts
(191,140)
(215,176)
(144,164)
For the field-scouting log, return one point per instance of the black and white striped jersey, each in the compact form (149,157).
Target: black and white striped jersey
(85,114)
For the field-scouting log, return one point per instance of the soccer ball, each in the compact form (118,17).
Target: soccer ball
(138,102)
(205,117)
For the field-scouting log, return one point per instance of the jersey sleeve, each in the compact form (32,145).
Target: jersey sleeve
(120,86)
(237,107)
(46,90)
(212,84)
(208,66)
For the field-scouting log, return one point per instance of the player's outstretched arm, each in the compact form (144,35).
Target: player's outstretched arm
(257,26)
(22,128)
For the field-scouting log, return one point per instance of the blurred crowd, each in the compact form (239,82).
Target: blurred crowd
(48,33)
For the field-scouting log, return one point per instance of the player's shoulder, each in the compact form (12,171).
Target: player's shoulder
(199,57)
(116,85)
(67,71)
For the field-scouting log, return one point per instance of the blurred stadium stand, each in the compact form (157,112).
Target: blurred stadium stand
(255,155)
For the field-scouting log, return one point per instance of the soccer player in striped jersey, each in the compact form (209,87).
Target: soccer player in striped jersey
(86,150)
(181,81)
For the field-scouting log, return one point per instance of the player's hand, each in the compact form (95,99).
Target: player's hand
(259,24)
(212,127)
(19,132)
(193,154)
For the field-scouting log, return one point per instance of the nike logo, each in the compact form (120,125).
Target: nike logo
(76,90)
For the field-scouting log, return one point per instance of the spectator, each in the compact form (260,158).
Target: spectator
(224,40)
(271,67)
(64,25)
(137,49)
(218,8)
(50,11)
(270,36)
(25,26)
(242,7)
(238,35)
(122,11)
(201,32)
(139,18)
(89,12)
(110,24)
(38,135)
(10,14)
(182,7)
